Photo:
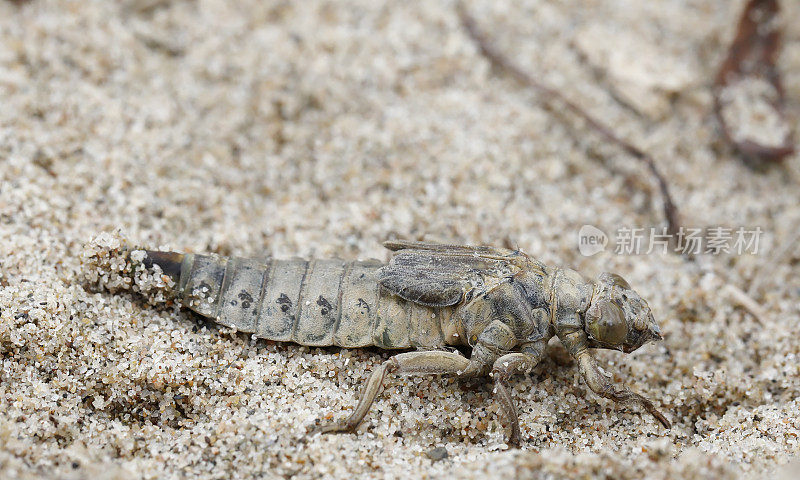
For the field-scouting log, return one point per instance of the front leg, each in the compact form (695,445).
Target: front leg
(575,342)
(601,384)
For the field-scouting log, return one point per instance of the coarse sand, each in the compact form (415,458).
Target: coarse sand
(319,129)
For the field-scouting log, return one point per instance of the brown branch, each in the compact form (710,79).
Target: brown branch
(550,95)
(753,54)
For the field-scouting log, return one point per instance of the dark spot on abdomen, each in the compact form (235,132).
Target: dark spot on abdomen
(284,302)
(364,306)
(246,298)
(325,304)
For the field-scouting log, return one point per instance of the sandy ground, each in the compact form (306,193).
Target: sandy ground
(272,128)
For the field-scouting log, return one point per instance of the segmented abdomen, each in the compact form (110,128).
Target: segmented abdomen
(309,302)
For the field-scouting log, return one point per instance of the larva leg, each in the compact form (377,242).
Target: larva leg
(495,338)
(506,366)
(601,384)
(411,363)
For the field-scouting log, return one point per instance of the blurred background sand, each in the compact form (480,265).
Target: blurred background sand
(320,129)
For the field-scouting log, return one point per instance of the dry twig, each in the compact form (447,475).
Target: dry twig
(550,95)
(734,293)
(739,297)
(768,267)
(749,71)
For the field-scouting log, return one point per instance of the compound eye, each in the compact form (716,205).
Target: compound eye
(615,280)
(612,328)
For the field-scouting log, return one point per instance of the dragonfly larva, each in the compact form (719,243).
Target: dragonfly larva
(501,303)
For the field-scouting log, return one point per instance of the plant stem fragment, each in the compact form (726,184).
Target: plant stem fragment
(549,95)
(748,95)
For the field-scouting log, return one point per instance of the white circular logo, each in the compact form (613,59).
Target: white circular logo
(591,240)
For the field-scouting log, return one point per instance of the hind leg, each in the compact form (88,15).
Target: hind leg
(493,340)
(411,363)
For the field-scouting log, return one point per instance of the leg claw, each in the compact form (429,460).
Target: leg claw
(332,428)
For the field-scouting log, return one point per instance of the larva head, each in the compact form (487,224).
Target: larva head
(618,318)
